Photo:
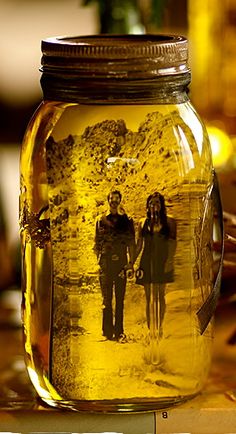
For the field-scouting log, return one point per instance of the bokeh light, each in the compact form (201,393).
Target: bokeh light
(221,145)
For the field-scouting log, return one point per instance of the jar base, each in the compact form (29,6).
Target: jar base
(119,406)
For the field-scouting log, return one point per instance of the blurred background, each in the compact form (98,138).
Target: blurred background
(210,26)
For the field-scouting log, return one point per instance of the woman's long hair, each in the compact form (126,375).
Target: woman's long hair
(165,230)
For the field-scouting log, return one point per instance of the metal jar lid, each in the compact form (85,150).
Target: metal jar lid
(70,61)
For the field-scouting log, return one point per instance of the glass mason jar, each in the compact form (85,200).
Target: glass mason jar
(116,215)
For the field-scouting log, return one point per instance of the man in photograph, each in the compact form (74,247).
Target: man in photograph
(114,247)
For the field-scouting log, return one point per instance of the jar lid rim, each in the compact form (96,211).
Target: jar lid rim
(173,47)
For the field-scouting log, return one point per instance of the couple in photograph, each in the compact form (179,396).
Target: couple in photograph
(117,251)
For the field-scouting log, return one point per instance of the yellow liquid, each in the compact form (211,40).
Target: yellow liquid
(72,157)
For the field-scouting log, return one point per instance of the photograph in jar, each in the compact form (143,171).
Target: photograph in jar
(118,331)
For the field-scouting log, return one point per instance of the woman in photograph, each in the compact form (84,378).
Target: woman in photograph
(157,242)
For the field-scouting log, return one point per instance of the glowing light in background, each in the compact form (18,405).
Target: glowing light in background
(221,145)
